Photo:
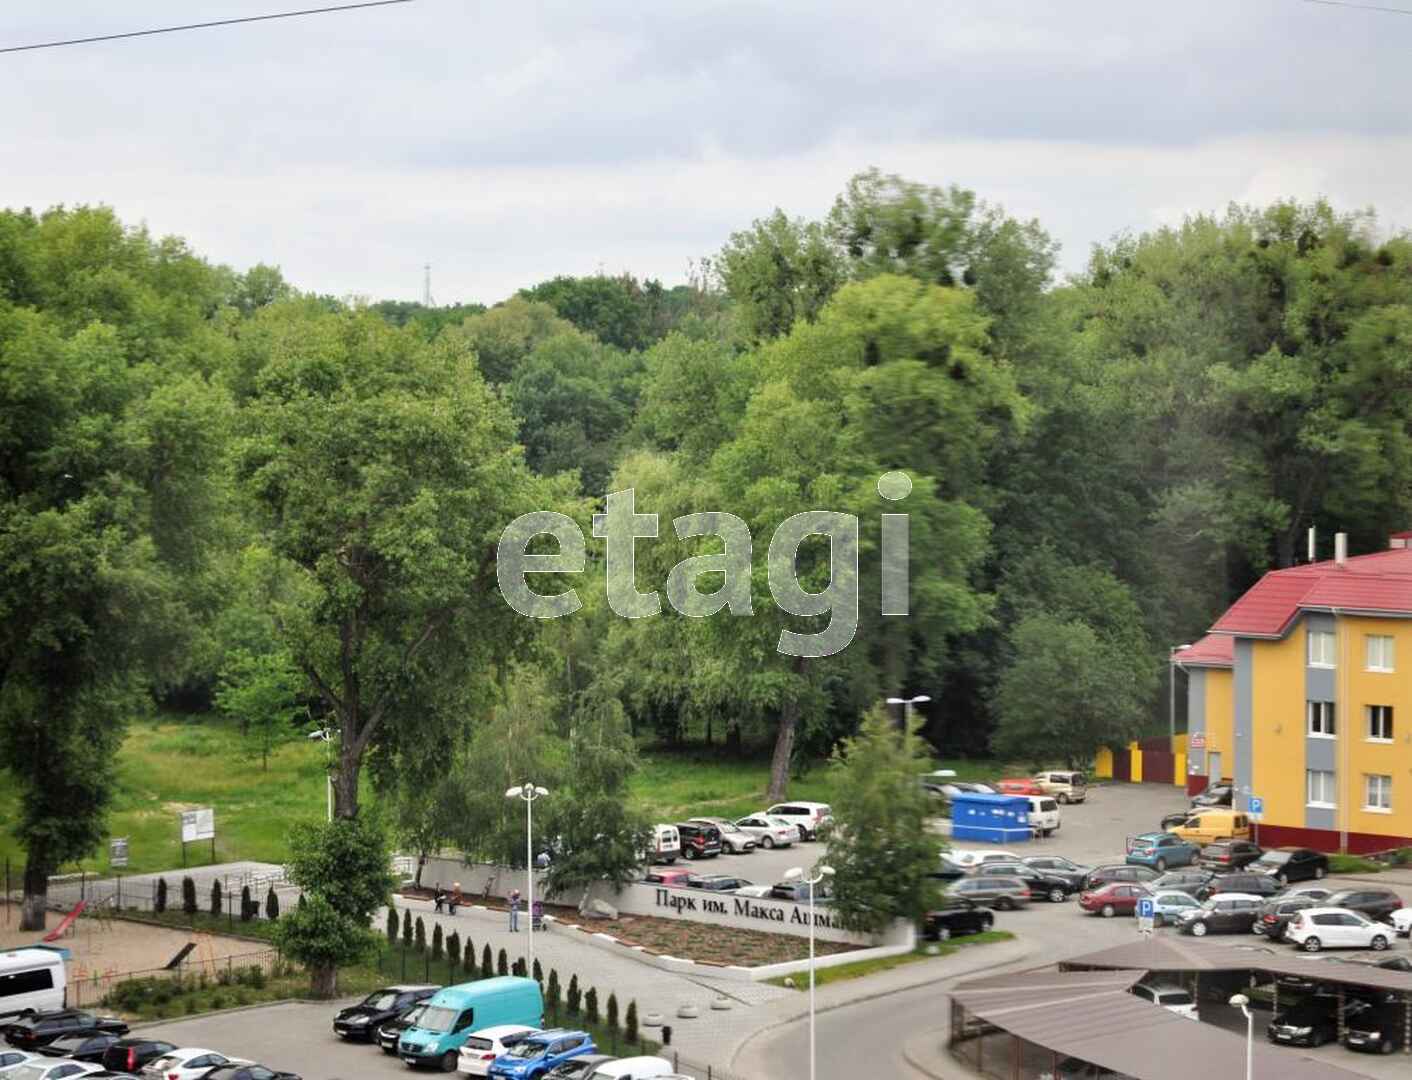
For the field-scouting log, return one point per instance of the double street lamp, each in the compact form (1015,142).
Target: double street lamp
(528,793)
(907,704)
(797,874)
(1242,1002)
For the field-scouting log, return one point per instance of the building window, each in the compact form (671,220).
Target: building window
(1377,793)
(1321,719)
(1380,723)
(1321,648)
(1319,786)
(1380,652)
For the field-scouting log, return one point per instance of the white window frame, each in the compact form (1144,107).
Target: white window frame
(1330,788)
(1322,657)
(1327,725)
(1379,784)
(1373,712)
(1385,650)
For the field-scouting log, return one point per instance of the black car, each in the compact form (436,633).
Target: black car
(949,871)
(716,882)
(1102,875)
(390,1032)
(80,1047)
(956,915)
(578,1068)
(1374,903)
(248,1072)
(1242,882)
(362,1021)
(1221,915)
(32,1032)
(1217,795)
(131,1054)
(1050,886)
(798,891)
(1275,914)
(1377,1030)
(1190,880)
(1292,864)
(699,841)
(1058,866)
(1223,855)
(1310,1023)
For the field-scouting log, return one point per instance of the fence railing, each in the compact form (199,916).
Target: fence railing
(89,986)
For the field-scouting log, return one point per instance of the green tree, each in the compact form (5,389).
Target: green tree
(406,927)
(390,927)
(215,897)
(453,949)
(419,939)
(630,1023)
(438,942)
(778,272)
(159,903)
(612,1013)
(262,694)
(272,904)
(552,992)
(247,906)
(538,972)
(188,896)
(502,963)
(573,996)
(323,939)
(486,962)
(611,309)
(590,1005)
(504,336)
(882,848)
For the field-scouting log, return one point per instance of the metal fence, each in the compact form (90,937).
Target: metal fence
(89,987)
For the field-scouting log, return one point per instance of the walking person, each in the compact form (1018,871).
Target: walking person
(456,898)
(515,912)
(439,900)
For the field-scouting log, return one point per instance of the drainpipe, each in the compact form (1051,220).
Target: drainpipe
(1340,723)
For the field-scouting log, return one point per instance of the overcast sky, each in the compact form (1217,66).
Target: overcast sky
(504,143)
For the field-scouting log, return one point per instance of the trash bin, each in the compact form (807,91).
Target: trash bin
(666,1034)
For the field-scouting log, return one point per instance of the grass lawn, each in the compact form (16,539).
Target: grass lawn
(861,968)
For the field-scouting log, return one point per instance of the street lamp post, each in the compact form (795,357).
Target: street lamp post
(1243,1003)
(797,874)
(326,737)
(907,704)
(528,793)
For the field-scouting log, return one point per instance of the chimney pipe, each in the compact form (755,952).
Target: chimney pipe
(1313,533)
(1341,548)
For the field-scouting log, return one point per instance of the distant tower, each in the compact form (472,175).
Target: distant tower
(426,286)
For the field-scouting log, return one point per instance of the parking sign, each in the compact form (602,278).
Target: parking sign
(1257,806)
(1145,911)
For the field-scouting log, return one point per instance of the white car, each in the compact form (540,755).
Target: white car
(1171,997)
(807,817)
(1402,921)
(1044,814)
(770,832)
(484,1046)
(50,1069)
(9,1058)
(734,839)
(1335,928)
(633,1068)
(969,860)
(186,1063)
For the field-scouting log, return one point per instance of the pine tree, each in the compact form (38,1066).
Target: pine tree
(590,1005)
(272,904)
(421,935)
(453,950)
(438,943)
(159,905)
(552,992)
(485,962)
(215,898)
(468,958)
(188,896)
(574,995)
(538,972)
(392,924)
(630,1022)
(246,904)
(302,902)
(502,964)
(518,968)
(613,1013)
(406,928)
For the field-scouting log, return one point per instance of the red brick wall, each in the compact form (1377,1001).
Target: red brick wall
(1327,839)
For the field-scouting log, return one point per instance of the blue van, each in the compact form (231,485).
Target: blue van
(453,1014)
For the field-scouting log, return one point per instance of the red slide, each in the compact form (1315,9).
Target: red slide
(64,923)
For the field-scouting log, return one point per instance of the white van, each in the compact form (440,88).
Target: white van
(32,979)
(633,1068)
(666,845)
(1044,814)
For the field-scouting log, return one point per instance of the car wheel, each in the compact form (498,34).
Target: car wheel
(1057,895)
(1379,943)
(1198,928)
(944,934)
(1048,832)
(1161,866)
(805,835)
(689,853)
(1062,799)
(448,1061)
(1311,944)
(1319,872)
(987,923)
(769,843)
(1106,911)
(1004,903)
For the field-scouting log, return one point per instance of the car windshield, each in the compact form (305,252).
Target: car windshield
(415,1015)
(437,1019)
(1175,997)
(381,1001)
(527,1048)
(1274,858)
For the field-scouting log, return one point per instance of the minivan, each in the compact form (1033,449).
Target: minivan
(32,980)
(666,845)
(1067,787)
(1044,815)
(1214,825)
(453,1014)
(807,817)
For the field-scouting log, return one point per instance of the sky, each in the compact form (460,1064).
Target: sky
(505,143)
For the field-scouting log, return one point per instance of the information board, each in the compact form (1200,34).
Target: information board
(198,825)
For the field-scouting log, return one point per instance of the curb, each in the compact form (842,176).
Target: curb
(913,1060)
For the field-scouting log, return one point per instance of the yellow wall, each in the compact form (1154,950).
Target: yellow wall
(1135,757)
(1179,769)
(1278,728)
(1220,706)
(1103,764)
(1358,688)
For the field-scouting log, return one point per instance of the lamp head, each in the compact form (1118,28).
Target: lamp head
(920,698)
(541,791)
(514,792)
(794,873)
(896,701)
(1240,1001)
(827,871)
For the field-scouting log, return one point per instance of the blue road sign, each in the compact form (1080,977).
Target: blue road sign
(1257,805)
(1145,908)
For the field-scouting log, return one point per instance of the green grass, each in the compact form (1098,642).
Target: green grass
(862,968)
(1352,864)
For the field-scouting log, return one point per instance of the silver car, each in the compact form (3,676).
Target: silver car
(770,832)
(734,839)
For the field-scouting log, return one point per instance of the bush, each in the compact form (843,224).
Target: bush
(453,949)
(612,1015)
(590,1005)
(438,943)
(538,972)
(468,958)
(159,904)
(272,904)
(1402,856)
(574,996)
(188,896)
(246,904)
(391,925)
(1353,864)
(552,991)
(215,898)
(302,902)
(420,938)
(485,962)
(630,1022)
(218,1001)
(406,928)
(502,964)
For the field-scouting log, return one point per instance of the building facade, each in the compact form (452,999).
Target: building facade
(1301,695)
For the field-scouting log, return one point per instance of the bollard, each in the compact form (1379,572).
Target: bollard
(667,1037)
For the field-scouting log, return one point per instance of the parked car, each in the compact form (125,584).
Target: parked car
(390,1033)
(361,1021)
(1160,851)
(1112,898)
(634,1068)
(453,1016)
(1379,1029)
(672,879)
(1230,854)
(1228,913)
(42,1068)
(1214,825)
(40,1029)
(955,916)
(1292,864)
(1059,866)
(186,1063)
(1049,886)
(1171,997)
(249,1071)
(699,841)
(129,1055)
(948,870)
(1066,787)
(1261,885)
(717,882)
(1044,815)
(1312,1022)
(798,891)
(1374,903)
(734,839)
(1001,893)
(972,859)
(11,1058)
(1018,786)
(1318,928)
(1181,817)
(1215,795)
(666,845)
(1169,905)
(1275,914)
(1314,892)
(756,892)
(769,832)
(807,817)
(974,787)
(535,1055)
(1192,880)
(1125,872)
(578,1068)
(80,1047)
(483,1047)
(1402,921)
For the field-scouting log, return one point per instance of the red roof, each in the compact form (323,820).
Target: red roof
(1381,582)
(1214,650)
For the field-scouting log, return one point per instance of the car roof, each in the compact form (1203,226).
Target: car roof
(1239,896)
(1328,909)
(500,1030)
(407,988)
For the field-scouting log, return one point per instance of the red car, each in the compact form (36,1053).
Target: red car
(1115,898)
(1018,787)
